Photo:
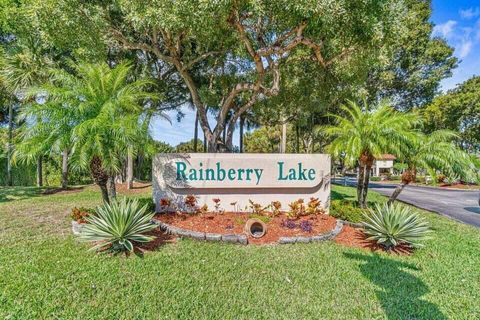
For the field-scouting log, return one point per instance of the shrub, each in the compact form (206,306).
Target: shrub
(203,209)
(276,206)
(420,179)
(289,224)
(117,225)
(165,203)
(257,208)
(147,202)
(216,201)
(313,206)
(395,178)
(441,178)
(346,210)
(375,178)
(394,225)
(297,209)
(306,226)
(191,204)
(80,214)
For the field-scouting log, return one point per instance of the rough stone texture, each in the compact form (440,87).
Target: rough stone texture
(243,239)
(173,230)
(303,239)
(213,237)
(183,233)
(322,237)
(338,229)
(286,240)
(232,238)
(197,235)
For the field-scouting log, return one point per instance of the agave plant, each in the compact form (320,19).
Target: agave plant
(393,225)
(117,225)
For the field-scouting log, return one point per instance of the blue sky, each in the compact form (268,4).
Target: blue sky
(457,21)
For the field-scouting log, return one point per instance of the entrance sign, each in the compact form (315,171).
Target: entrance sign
(238,178)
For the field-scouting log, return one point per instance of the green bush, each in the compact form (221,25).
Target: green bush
(420,179)
(147,202)
(346,210)
(117,225)
(375,179)
(395,178)
(394,225)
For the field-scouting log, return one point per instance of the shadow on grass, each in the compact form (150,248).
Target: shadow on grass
(19,193)
(63,191)
(335,195)
(400,291)
(349,198)
(161,239)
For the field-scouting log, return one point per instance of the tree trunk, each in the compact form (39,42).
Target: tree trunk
(396,193)
(100,177)
(104,190)
(10,146)
(408,176)
(65,169)
(283,140)
(242,124)
(112,191)
(205,144)
(366,181)
(129,171)
(39,172)
(195,134)
(360,185)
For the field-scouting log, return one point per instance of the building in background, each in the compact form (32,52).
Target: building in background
(383,165)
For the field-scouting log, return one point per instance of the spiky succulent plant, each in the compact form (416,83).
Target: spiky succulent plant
(117,225)
(394,225)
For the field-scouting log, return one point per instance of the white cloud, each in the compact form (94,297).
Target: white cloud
(470,13)
(464,49)
(444,29)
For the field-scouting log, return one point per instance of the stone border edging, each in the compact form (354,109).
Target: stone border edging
(243,239)
(352,224)
(321,237)
(230,238)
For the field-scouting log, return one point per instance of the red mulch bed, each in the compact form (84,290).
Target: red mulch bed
(354,237)
(459,186)
(234,223)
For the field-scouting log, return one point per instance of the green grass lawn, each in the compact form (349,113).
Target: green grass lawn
(46,273)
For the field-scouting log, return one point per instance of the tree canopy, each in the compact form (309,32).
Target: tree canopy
(229,54)
(458,110)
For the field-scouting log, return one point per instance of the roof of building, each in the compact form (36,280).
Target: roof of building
(386,156)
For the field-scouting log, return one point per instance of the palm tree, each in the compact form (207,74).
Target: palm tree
(50,132)
(109,110)
(364,134)
(434,153)
(25,65)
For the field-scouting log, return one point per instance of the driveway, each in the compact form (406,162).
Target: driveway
(460,205)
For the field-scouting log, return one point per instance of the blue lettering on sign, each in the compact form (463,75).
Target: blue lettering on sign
(296,173)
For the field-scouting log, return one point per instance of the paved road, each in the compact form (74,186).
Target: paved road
(457,204)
